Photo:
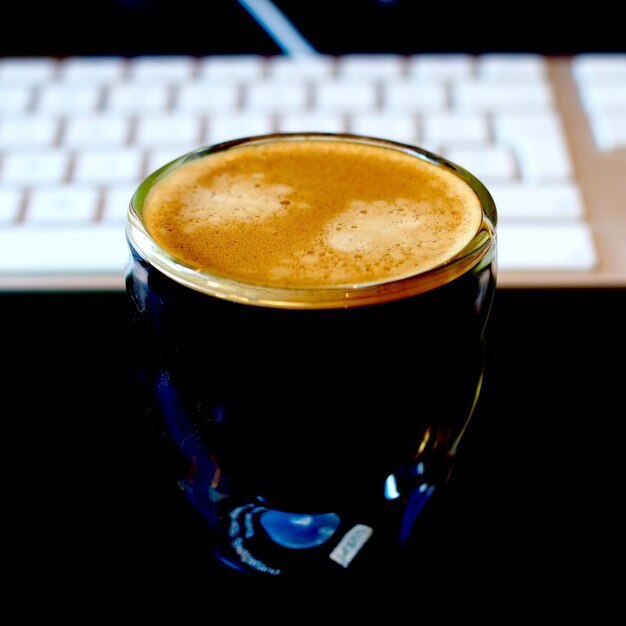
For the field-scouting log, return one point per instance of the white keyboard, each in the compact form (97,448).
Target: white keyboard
(77,136)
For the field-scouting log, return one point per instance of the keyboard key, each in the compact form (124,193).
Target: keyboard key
(310,67)
(161,68)
(34,167)
(115,204)
(10,204)
(92,69)
(227,126)
(311,121)
(231,67)
(138,98)
(441,67)
(515,128)
(207,97)
(160,130)
(447,128)
(276,97)
(14,98)
(28,131)
(370,66)
(345,96)
(502,95)
(63,205)
(394,126)
(96,131)
(601,81)
(411,97)
(108,166)
(605,97)
(545,159)
(26,70)
(599,68)
(609,130)
(488,163)
(511,66)
(69,99)
(523,201)
(541,247)
(83,250)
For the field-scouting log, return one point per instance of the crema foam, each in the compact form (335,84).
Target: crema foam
(312,213)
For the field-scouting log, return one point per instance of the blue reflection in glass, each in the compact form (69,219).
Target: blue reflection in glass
(391,488)
(298,531)
(416,502)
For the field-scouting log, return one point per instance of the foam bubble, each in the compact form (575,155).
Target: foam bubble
(233,198)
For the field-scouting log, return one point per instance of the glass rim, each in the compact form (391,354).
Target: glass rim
(480,248)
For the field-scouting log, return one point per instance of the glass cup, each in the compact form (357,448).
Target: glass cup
(309,425)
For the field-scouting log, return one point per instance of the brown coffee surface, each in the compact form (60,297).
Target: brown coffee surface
(312,213)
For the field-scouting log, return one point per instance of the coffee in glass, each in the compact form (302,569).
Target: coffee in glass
(310,313)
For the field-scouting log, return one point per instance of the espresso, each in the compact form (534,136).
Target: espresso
(312,214)
(307,402)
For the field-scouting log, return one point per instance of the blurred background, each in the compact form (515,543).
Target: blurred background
(63,27)
(96,95)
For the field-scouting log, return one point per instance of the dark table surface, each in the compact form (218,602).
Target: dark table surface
(536,496)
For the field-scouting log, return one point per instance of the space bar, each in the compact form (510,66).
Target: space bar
(545,246)
(54,251)
(103,249)
(94,257)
